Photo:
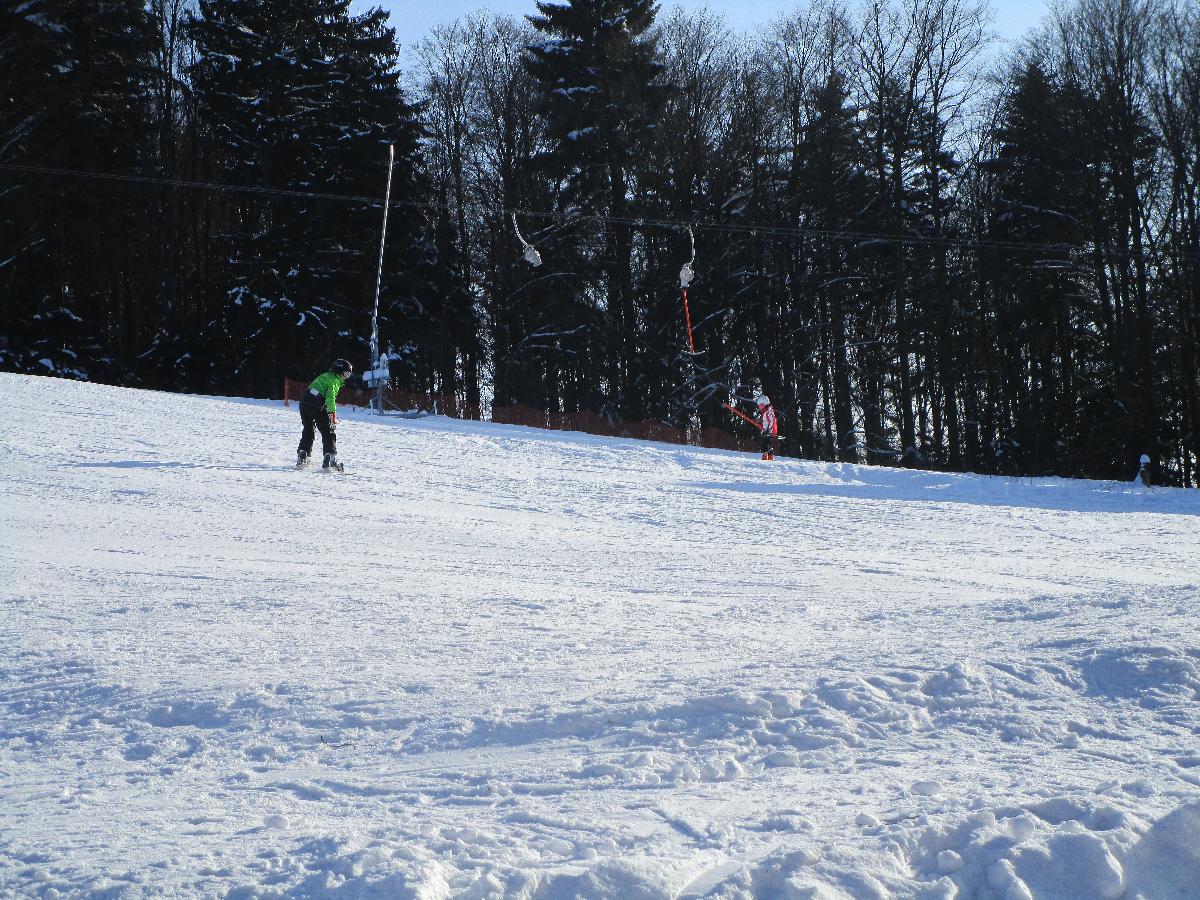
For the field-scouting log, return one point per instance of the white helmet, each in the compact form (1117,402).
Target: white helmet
(763,400)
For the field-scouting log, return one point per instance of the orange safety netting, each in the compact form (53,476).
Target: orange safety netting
(585,421)
(594,423)
(404,401)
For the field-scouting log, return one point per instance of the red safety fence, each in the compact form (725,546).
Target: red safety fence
(403,401)
(594,423)
(585,421)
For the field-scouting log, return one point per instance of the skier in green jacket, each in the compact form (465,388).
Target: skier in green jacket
(318,407)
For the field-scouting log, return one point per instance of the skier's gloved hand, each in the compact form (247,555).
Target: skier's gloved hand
(333,418)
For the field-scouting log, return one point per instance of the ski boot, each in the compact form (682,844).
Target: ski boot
(302,459)
(331,464)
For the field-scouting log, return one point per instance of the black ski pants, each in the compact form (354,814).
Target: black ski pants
(315,415)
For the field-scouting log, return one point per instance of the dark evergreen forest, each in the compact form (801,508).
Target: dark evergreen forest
(929,249)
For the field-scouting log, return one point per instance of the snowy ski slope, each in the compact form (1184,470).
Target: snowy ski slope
(499,662)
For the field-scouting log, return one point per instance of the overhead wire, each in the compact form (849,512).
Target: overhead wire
(190,183)
(571,216)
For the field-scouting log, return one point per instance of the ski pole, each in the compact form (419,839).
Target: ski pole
(687,313)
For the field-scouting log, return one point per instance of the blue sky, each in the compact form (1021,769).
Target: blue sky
(412,19)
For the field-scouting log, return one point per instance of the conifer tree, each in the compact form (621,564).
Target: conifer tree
(1040,201)
(304,97)
(832,193)
(74,97)
(602,93)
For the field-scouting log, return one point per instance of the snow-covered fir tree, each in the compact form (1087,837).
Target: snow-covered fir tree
(73,74)
(302,97)
(603,93)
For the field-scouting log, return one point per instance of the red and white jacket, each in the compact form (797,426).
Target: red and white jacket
(768,424)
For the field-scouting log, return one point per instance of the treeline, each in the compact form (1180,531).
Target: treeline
(227,234)
(925,250)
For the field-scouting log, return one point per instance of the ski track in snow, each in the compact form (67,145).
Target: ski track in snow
(501,662)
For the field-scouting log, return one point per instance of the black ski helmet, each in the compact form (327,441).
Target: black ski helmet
(342,367)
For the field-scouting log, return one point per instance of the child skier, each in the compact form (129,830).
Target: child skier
(769,425)
(318,408)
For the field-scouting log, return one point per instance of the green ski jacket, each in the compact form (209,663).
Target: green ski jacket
(325,389)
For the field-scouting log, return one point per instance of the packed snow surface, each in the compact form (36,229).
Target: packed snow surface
(500,662)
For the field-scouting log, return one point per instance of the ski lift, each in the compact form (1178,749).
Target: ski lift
(687,273)
(378,375)
(530,253)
